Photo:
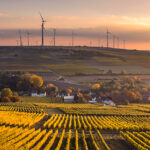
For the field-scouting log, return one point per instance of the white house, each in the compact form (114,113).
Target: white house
(109,102)
(93,100)
(38,95)
(59,95)
(68,98)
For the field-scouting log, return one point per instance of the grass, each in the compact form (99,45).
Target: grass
(41,100)
(74,69)
(73,61)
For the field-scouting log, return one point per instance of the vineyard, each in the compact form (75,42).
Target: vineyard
(110,123)
(29,108)
(28,127)
(99,109)
(140,140)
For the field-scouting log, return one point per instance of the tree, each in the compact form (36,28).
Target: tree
(24,83)
(137,79)
(36,81)
(15,98)
(6,92)
(50,85)
(96,86)
(80,98)
(123,72)
(69,90)
(128,82)
(5,99)
(115,85)
(131,95)
(51,89)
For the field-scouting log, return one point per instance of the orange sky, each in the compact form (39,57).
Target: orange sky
(78,41)
(89,19)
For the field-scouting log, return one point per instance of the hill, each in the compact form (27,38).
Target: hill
(74,60)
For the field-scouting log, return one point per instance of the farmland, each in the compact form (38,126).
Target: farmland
(73,61)
(79,66)
(46,123)
(80,126)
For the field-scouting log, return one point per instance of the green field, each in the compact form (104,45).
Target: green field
(73,61)
(40,100)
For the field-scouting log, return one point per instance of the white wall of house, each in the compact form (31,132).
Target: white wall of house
(68,98)
(38,95)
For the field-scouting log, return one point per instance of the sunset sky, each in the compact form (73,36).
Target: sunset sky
(89,19)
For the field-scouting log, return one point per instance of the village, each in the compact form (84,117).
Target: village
(115,92)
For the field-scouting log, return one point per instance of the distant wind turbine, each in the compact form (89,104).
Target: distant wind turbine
(108,38)
(114,38)
(124,44)
(20,38)
(72,38)
(17,42)
(118,41)
(28,38)
(43,22)
(54,31)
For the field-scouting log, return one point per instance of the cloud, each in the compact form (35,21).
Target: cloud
(127,28)
(124,32)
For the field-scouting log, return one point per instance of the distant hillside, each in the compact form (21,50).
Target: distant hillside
(74,60)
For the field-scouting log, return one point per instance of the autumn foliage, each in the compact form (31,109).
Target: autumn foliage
(36,81)
(96,86)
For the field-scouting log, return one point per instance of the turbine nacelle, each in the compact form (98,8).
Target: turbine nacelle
(43,21)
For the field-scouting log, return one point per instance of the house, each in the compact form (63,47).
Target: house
(92,101)
(109,103)
(35,94)
(59,95)
(68,99)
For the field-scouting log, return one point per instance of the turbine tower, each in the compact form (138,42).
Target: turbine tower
(43,22)
(72,38)
(17,42)
(118,41)
(54,30)
(20,38)
(28,38)
(108,38)
(114,38)
(124,44)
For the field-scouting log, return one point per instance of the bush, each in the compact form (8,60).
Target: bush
(15,94)
(15,98)
(126,102)
(6,92)
(5,99)
(123,72)
(36,81)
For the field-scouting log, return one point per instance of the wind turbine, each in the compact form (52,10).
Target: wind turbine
(124,44)
(28,38)
(54,31)
(108,38)
(20,38)
(43,22)
(114,37)
(17,42)
(118,41)
(72,38)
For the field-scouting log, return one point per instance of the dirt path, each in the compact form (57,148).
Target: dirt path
(40,123)
(116,142)
(52,111)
